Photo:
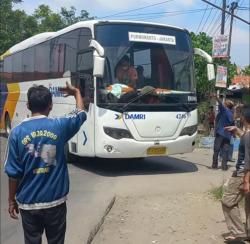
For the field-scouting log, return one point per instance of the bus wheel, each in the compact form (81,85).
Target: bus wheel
(7,124)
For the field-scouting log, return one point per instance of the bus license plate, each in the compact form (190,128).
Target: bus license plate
(156,151)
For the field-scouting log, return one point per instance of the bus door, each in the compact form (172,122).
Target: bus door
(85,82)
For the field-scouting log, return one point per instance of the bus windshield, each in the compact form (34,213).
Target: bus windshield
(145,64)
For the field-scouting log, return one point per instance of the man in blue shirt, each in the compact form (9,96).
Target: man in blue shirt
(222,136)
(36,166)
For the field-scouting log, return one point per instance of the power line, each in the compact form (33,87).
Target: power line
(163,12)
(214,19)
(128,11)
(218,27)
(202,19)
(207,17)
(237,17)
(213,23)
(148,16)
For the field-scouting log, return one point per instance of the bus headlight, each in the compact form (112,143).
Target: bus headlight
(117,133)
(189,131)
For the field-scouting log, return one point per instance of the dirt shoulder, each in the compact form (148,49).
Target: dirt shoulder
(167,208)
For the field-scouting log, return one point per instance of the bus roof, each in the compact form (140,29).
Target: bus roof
(42,37)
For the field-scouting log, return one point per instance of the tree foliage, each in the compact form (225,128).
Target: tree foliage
(16,25)
(204,87)
(246,71)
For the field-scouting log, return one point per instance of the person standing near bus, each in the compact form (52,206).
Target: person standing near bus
(36,166)
(238,185)
(211,119)
(222,137)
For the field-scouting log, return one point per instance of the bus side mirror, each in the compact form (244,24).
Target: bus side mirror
(99,64)
(210,72)
(99,60)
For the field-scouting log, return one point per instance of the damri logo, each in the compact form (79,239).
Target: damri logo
(131,116)
(118,116)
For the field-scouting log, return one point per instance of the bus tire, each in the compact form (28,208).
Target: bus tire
(7,124)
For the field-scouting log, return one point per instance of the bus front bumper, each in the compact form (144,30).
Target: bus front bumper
(127,148)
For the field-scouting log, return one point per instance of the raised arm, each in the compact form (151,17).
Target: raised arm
(70,90)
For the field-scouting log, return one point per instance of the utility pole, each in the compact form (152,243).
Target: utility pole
(234,5)
(224,5)
(237,17)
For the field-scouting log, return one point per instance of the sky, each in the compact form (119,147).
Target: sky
(193,15)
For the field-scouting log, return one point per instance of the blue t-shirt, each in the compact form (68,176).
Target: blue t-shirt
(35,157)
(223,119)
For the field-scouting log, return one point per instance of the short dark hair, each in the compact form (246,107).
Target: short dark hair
(246,113)
(39,98)
(125,58)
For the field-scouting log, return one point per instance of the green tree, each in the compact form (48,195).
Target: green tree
(204,87)
(47,20)
(246,71)
(70,17)
(10,22)
(202,84)
(16,25)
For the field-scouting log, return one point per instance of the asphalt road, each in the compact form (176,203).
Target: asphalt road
(92,187)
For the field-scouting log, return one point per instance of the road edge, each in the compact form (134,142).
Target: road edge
(97,227)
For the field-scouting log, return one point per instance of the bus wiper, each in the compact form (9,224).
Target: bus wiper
(184,105)
(136,98)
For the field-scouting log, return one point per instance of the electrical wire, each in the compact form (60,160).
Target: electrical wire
(218,28)
(213,20)
(160,16)
(207,18)
(132,10)
(163,12)
(202,19)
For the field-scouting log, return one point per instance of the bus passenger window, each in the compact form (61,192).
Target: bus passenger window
(85,76)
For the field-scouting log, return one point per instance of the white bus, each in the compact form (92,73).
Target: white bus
(123,121)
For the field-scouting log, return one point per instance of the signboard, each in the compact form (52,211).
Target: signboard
(220,47)
(152,38)
(221,77)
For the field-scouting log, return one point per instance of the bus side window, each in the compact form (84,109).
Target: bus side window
(85,76)
(7,75)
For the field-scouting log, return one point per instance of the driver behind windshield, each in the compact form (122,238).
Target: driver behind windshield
(125,73)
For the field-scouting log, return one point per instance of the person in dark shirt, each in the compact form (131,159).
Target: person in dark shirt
(36,166)
(222,137)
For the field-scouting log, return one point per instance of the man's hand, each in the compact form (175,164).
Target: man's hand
(69,90)
(246,182)
(246,187)
(231,128)
(235,130)
(13,209)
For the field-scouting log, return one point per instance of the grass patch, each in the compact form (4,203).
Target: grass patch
(217,192)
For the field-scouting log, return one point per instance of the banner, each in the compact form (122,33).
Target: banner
(221,77)
(220,47)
